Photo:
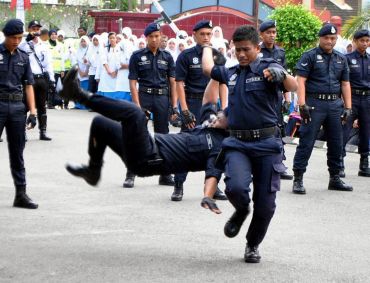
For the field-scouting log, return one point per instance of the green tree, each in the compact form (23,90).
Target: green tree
(355,23)
(122,5)
(297,30)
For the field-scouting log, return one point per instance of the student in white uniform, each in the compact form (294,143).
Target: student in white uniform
(109,66)
(122,82)
(83,65)
(93,59)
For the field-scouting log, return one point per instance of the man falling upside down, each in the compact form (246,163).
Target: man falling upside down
(123,128)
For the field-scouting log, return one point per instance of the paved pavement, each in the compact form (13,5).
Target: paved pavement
(110,234)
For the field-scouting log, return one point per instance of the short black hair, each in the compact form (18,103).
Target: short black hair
(85,29)
(246,32)
(44,31)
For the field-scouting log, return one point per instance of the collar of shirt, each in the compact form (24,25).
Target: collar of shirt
(198,49)
(147,50)
(2,47)
(359,55)
(253,66)
(263,46)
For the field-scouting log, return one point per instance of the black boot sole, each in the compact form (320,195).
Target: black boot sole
(92,182)
(299,192)
(176,198)
(363,174)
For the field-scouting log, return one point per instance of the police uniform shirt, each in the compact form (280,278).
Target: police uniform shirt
(359,68)
(252,99)
(194,149)
(15,70)
(189,70)
(151,70)
(42,52)
(324,72)
(276,53)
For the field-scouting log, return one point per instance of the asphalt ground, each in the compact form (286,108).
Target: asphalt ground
(111,234)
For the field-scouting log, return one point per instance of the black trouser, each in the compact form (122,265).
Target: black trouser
(158,105)
(41,91)
(12,117)
(93,84)
(360,111)
(130,138)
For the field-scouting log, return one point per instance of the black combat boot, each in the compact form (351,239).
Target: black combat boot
(22,200)
(71,88)
(364,166)
(251,254)
(298,187)
(233,225)
(219,195)
(42,125)
(336,184)
(90,173)
(129,181)
(166,180)
(178,191)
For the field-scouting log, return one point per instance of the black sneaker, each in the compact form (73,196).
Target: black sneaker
(219,195)
(233,225)
(90,175)
(251,254)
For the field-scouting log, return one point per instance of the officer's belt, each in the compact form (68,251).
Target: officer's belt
(360,92)
(40,76)
(324,96)
(11,96)
(154,91)
(194,96)
(252,135)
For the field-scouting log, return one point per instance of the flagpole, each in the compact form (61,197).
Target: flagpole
(19,10)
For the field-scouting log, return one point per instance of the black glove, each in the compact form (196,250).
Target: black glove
(345,115)
(210,204)
(218,58)
(147,113)
(177,121)
(278,75)
(285,107)
(31,121)
(187,117)
(304,111)
(174,111)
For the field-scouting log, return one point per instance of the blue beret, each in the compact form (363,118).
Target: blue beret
(151,28)
(12,27)
(267,24)
(202,24)
(328,29)
(361,33)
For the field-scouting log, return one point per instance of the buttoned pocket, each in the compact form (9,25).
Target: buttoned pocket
(3,71)
(277,169)
(196,143)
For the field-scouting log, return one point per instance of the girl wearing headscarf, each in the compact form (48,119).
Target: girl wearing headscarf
(172,48)
(190,42)
(141,43)
(122,82)
(217,35)
(109,67)
(93,59)
(83,66)
(181,46)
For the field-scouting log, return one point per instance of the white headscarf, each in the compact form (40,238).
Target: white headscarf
(127,31)
(82,51)
(174,52)
(181,41)
(220,38)
(190,38)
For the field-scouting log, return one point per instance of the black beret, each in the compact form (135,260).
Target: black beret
(151,28)
(34,23)
(328,29)
(267,24)
(12,27)
(202,24)
(361,33)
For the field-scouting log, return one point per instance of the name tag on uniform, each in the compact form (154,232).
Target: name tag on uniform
(198,66)
(144,63)
(253,79)
(162,62)
(20,64)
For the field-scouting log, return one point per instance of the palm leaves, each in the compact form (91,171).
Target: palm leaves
(355,23)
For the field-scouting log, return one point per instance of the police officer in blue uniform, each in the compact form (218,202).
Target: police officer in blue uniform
(16,82)
(323,85)
(124,130)
(154,70)
(255,146)
(190,85)
(359,78)
(269,49)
